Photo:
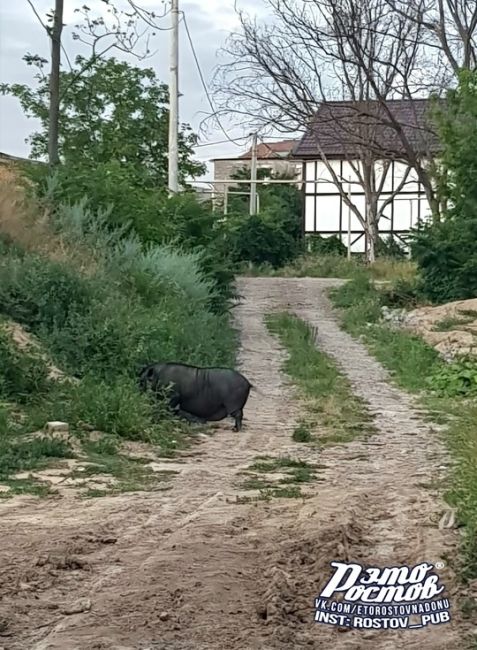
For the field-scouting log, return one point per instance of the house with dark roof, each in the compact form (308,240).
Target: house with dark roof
(343,137)
(276,156)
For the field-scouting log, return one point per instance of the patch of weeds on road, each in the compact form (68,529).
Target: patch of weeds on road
(23,455)
(26,459)
(270,464)
(329,400)
(127,474)
(269,493)
(291,473)
(445,390)
(302,433)
(30,486)
(291,492)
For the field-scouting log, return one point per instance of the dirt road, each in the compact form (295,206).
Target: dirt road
(193,569)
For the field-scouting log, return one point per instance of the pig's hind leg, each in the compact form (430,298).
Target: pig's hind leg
(238,415)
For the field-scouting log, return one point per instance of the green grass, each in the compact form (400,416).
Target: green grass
(448,324)
(130,475)
(267,464)
(269,493)
(302,433)
(23,453)
(261,476)
(417,367)
(335,266)
(30,486)
(18,454)
(329,400)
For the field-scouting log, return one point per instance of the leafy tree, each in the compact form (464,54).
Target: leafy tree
(445,249)
(112,112)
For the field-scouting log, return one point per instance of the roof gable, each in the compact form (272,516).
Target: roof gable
(265,150)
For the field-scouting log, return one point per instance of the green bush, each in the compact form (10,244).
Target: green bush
(445,248)
(113,406)
(262,239)
(447,259)
(390,248)
(402,293)
(38,292)
(327,245)
(135,304)
(23,376)
(272,237)
(455,379)
(159,270)
(4,420)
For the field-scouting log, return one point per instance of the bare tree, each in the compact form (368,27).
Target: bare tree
(391,67)
(362,51)
(449,27)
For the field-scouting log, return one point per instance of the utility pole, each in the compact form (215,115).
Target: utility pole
(253,177)
(54,109)
(349,218)
(174,101)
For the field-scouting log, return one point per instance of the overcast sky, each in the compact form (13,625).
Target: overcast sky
(210,22)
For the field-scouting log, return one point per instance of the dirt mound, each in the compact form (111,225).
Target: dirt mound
(451,328)
(294,573)
(22,219)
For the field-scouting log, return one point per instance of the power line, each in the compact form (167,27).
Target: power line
(210,144)
(204,85)
(245,137)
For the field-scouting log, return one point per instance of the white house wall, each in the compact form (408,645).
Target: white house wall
(326,213)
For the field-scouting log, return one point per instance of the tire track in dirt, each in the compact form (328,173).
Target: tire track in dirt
(389,514)
(191,568)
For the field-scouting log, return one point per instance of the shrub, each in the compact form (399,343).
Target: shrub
(447,259)
(131,305)
(327,245)
(402,293)
(113,406)
(262,239)
(160,270)
(445,249)
(23,376)
(455,379)
(390,248)
(38,292)
(4,420)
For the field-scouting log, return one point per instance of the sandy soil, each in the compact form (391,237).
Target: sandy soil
(458,336)
(192,568)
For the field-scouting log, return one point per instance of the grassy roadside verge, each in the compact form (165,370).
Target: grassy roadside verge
(417,368)
(105,420)
(330,404)
(336,266)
